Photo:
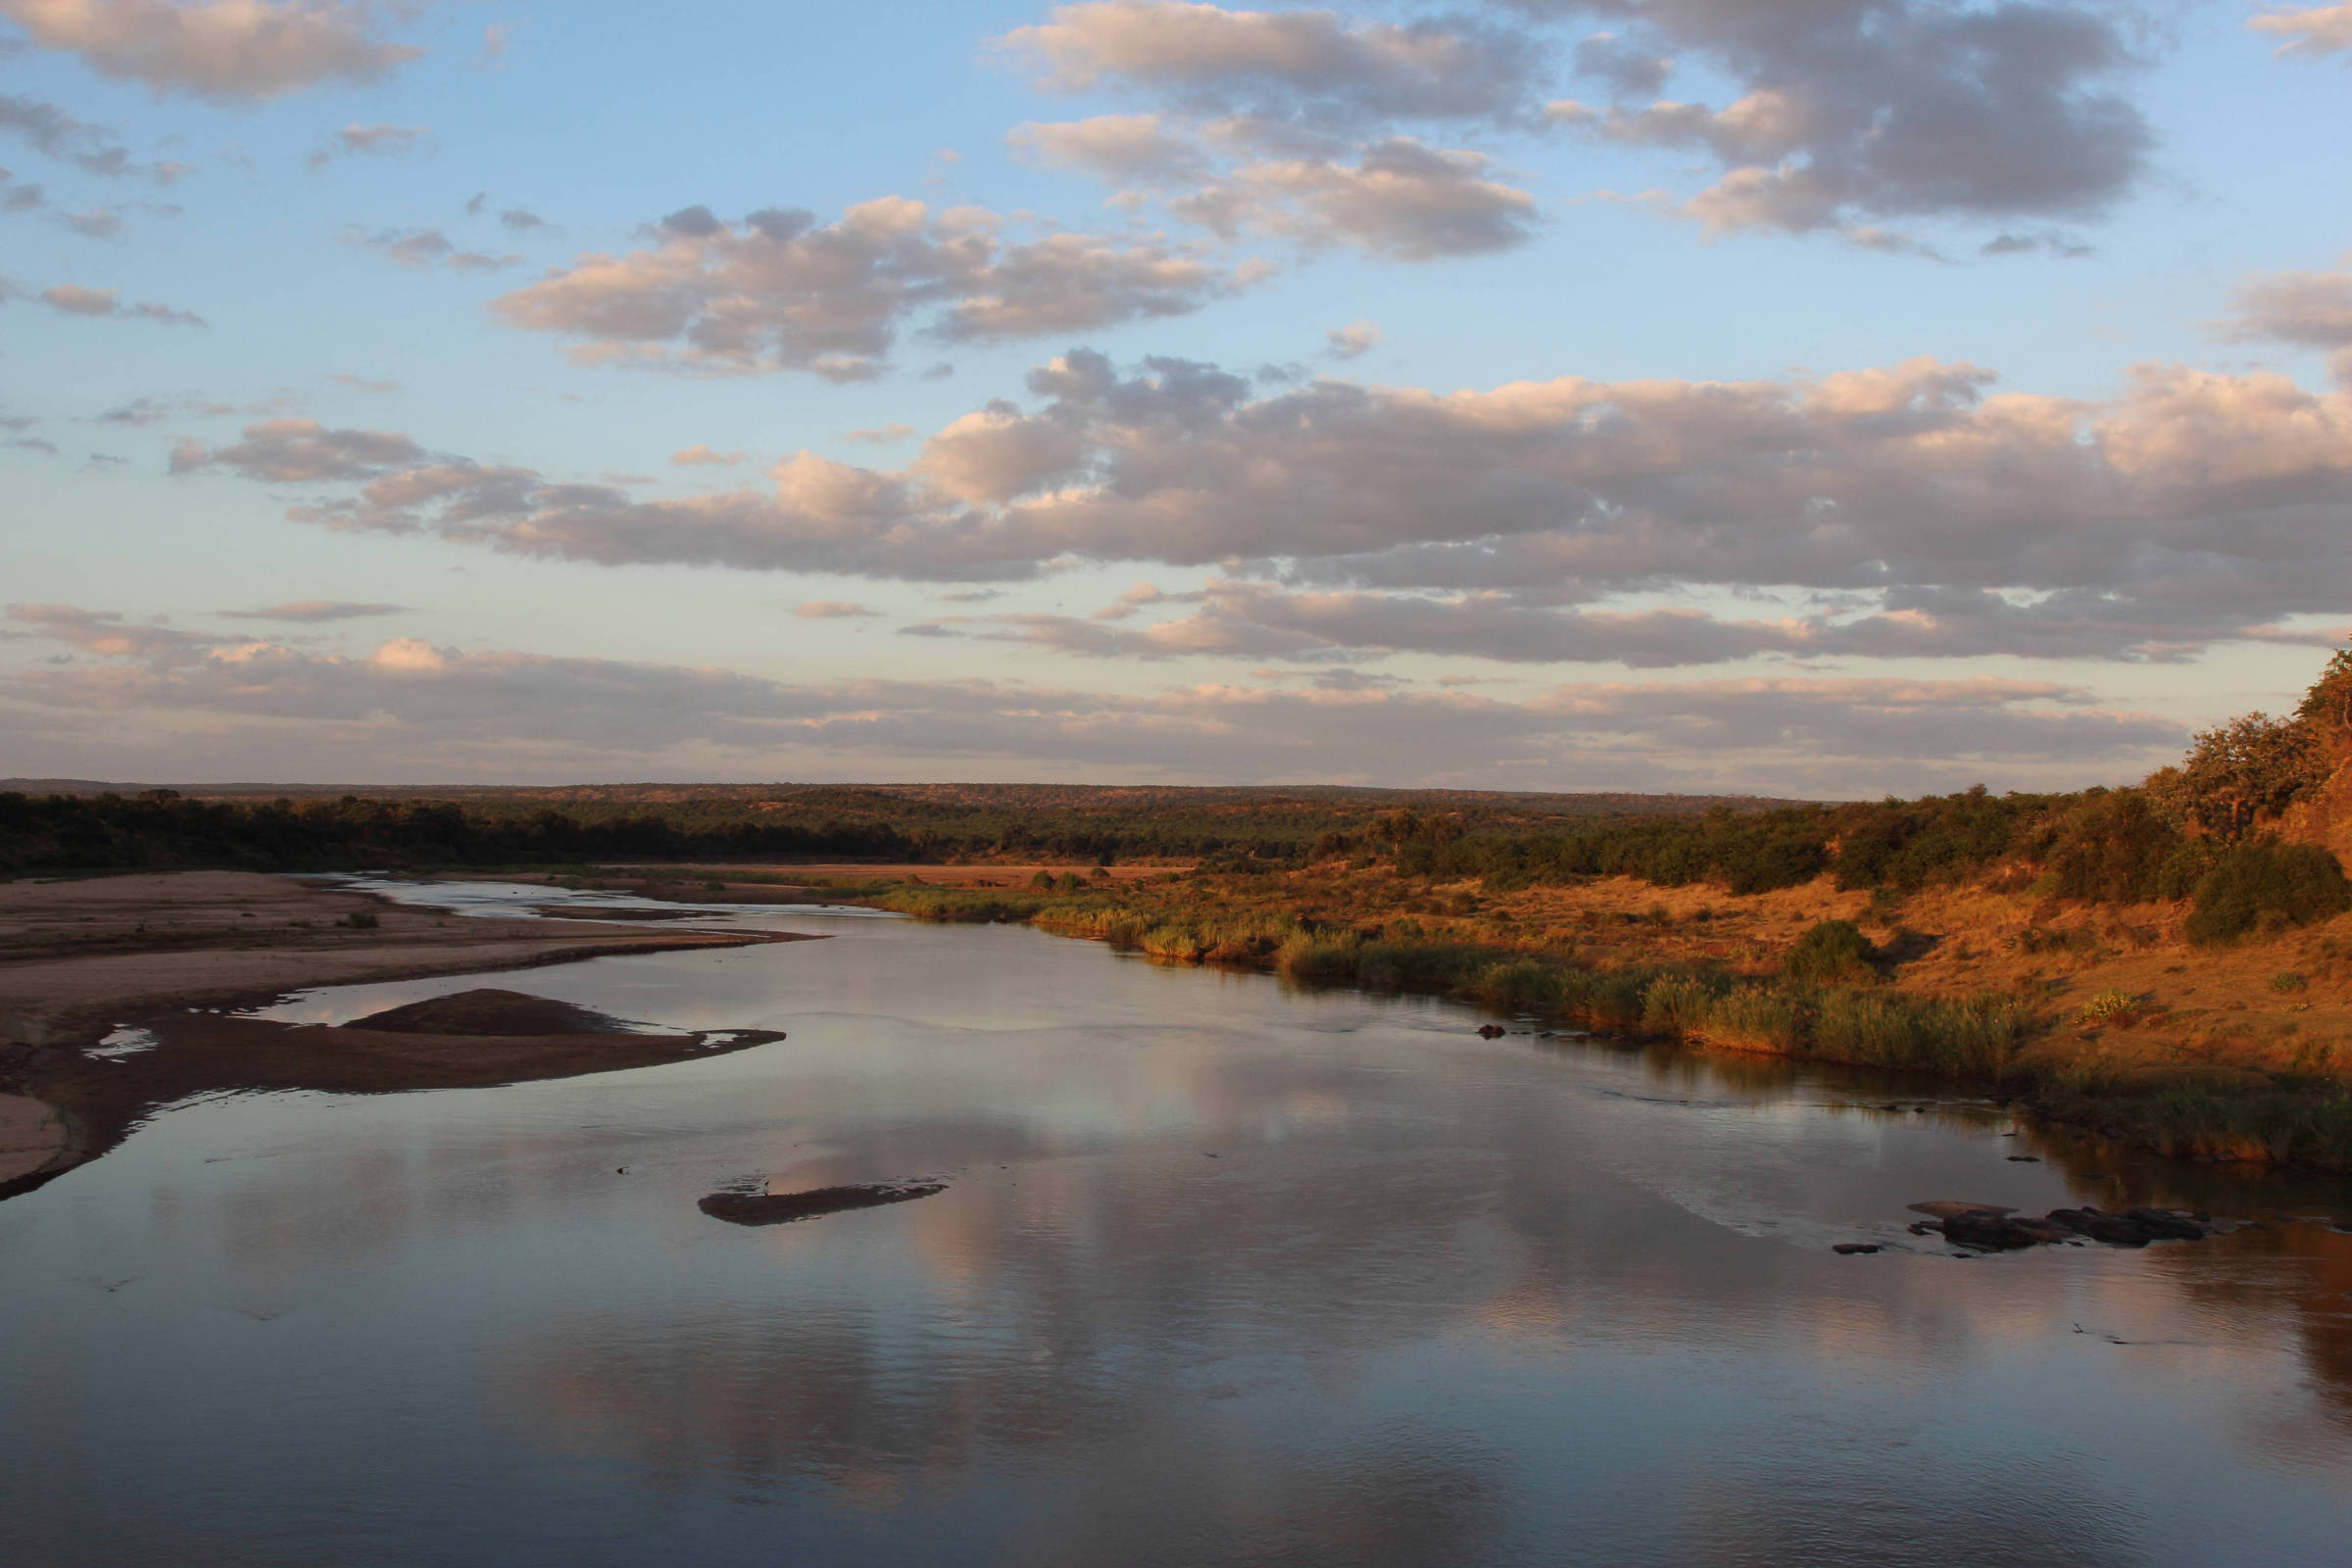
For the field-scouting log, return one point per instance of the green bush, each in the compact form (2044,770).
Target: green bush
(2261,889)
(2288,981)
(1832,951)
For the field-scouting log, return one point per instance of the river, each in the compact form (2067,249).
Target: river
(1225,1272)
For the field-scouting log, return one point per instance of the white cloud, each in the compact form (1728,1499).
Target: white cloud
(92,149)
(1313,67)
(72,299)
(2308,309)
(1352,341)
(780,292)
(2308,30)
(374,141)
(220,49)
(424,247)
(314,611)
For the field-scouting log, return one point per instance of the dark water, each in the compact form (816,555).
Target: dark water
(1435,1300)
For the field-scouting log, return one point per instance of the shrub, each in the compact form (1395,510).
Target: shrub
(1754,1019)
(1679,1005)
(2109,1006)
(359,920)
(2288,981)
(1832,951)
(2263,888)
(2113,849)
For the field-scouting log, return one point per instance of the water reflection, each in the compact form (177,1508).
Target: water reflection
(1222,1274)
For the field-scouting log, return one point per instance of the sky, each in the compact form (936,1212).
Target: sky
(1789,397)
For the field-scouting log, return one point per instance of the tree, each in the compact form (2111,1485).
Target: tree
(2329,704)
(2243,768)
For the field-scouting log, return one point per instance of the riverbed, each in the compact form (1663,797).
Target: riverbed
(1222,1271)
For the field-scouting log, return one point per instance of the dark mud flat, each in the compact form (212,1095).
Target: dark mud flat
(472,1040)
(782,1208)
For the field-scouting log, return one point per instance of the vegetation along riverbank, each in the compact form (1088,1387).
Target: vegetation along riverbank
(2171,962)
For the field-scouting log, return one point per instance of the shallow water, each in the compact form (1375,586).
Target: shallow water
(1224,1273)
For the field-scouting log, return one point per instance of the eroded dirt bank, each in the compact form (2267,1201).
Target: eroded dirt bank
(81,958)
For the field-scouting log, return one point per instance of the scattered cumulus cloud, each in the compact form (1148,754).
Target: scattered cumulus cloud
(832,610)
(314,611)
(424,247)
(1954,519)
(2306,309)
(72,299)
(780,291)
(225,50)
(92,149)
(370,141)
(1315,68)
(1352,341)
(2312,31)
(702,456)
(1851,114)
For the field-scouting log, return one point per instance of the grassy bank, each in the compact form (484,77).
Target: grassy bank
(2225,1084)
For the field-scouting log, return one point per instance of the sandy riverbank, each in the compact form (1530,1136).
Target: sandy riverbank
(80,958)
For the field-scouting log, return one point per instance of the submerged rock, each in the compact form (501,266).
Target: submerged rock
(1854,1249)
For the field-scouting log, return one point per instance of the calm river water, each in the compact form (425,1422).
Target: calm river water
(1225,1273)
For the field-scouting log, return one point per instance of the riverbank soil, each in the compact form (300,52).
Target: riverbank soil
(81,958)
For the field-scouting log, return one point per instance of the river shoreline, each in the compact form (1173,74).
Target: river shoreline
(172,956)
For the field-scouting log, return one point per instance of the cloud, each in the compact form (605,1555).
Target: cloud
(519,221)
(1856,112)
(361,383)
(71,299)
(695,457)
(1313,67)
(225,50)
(1352,341)
(424,247)
(2308,30)
(1955,518)
(1399,199)
(313,612)
(411,703)
(297,450)
(374,141)
(92,149)
(2308,309)
(832,610)
(778,291)
(109,635)
(880,434)
(1122,149)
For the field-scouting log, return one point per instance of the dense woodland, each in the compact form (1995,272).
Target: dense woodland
(94,828)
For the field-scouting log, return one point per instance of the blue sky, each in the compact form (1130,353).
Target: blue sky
(1798,396)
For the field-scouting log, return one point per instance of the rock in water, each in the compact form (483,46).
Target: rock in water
(782,1208)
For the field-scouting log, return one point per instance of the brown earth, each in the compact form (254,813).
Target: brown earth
(80,957)
(778,882)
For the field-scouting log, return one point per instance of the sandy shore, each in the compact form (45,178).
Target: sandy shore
(80,958)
